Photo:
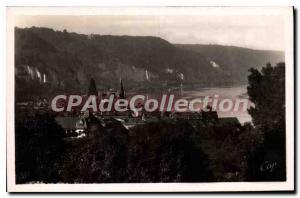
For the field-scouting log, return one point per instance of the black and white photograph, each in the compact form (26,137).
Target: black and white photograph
(150,99)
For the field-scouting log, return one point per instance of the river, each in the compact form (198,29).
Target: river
(223,92)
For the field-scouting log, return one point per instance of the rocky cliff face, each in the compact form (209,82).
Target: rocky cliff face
(49,61)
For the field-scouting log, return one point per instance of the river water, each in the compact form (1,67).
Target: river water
(190,93)
(223,92)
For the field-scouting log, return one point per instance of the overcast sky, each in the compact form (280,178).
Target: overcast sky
(257,32)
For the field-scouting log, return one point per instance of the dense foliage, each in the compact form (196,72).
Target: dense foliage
(267,91)
(162,151)
(167,152)
(39,146)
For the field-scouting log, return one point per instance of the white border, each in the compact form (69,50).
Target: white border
(287,12)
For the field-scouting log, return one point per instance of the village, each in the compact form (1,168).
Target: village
(77,123)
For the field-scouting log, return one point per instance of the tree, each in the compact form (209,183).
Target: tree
(267,92)
(39,146)
(167,152)
(98,158)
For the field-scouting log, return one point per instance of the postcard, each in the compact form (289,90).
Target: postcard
(150,99)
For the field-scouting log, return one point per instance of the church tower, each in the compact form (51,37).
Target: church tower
(122,91)
(92,88)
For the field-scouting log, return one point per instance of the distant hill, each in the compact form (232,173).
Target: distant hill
(48,61)
(235,61)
